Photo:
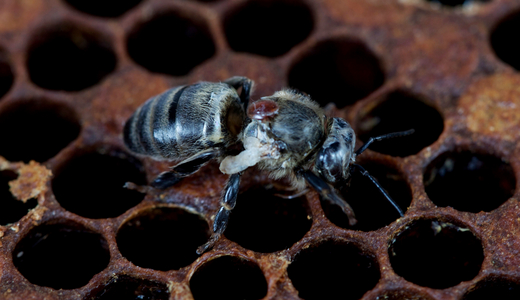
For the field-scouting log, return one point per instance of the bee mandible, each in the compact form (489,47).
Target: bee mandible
(286,134)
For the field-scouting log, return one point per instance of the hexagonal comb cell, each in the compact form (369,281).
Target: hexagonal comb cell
(245,276)
(469,181)
(36,129)
(339,70)
(399,111)
(333,269)
(274,27)
(91,184)
(372,209)
(436,253)
(163,238)
(259,215)
(171,43)
(73,253)
(70,58)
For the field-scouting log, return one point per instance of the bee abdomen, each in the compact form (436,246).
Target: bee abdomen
(151,129)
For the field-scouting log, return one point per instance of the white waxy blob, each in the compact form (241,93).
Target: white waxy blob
(253,153)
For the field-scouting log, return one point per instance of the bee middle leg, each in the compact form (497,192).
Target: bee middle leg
(228,200)
(184,169)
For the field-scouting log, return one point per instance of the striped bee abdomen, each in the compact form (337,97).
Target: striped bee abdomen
(181,121)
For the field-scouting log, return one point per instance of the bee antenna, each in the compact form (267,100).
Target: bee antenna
(383,137)
(379,187)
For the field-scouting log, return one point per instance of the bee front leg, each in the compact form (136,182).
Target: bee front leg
(228,201)
(328,193)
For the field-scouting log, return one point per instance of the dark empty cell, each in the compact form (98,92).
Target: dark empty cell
(171,44)
(36,130)
(457,2)
(91,185)
(69,59)
(162,238)
(494,288)
(436,254)
(11,209)
(230,278)
(6,75)
(400,112)
(268,28)
(125,287)
(264,222)
(340,71)
(372,209)
(333,270)
(103,8)
(469,181)
(61,256)
(503,40)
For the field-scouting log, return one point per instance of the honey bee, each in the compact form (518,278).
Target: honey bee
(286,134)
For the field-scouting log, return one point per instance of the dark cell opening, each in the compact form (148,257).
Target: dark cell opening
(171,43)
(68,58)
(11,209)
(124,287)
(469,181)
(400,112)
(6,75)
(264,222)
(453,3)
(503,40)
(333,270)
(68,251)
(494,288)
(228,277)
(36,130)
(436,254)
(268,28)
(162,238)
(340,71)
(372,209)
(103,8)
(91,185)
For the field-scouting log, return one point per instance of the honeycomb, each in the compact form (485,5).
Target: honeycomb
(72,72)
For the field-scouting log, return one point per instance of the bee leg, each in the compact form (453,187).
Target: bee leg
(245,83)
(228,200)
(184,168)
(328,193)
